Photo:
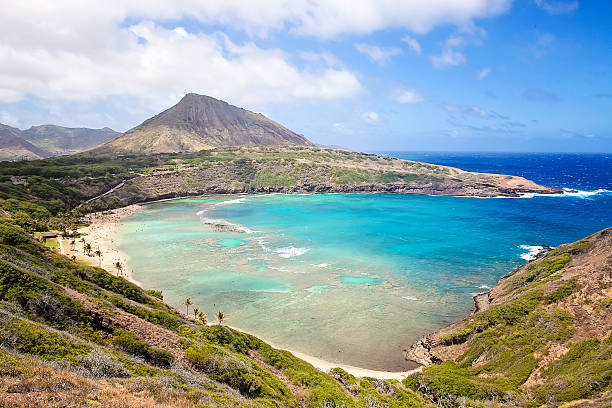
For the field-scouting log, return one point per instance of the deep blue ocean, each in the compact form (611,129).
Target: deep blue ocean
(355,278)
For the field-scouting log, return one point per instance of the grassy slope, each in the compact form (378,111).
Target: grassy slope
(74,335)
(545,338)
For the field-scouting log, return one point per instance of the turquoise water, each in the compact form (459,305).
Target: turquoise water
(352,278)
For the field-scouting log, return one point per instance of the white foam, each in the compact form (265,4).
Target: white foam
(274,268)
(223,224)
(323,265)
(567,192)
(532,251)
(290,252)
(484,287)
(410,297)
(235,201)
(429,301)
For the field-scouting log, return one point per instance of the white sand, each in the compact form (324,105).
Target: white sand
(100,234)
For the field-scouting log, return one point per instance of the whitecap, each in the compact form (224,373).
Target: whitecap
(235,201)
(290,252)
(484,287)
(429,301)
(567,192)
(410,297)
(532,251)
(322,265)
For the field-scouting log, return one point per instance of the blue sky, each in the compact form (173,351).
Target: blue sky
(471,75)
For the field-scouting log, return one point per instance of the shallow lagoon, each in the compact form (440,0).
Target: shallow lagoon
(347,278)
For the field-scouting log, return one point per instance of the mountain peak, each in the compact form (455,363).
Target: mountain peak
(199,122)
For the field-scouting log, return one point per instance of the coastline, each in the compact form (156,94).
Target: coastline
(99,233)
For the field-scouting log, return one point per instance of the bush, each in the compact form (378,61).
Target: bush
(31,338)
(129,343)
(155,293)
(100,365)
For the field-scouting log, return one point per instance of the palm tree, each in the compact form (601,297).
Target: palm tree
(203,318)
(72,244)
(88,248)
(73,257)
(196,310)
(83,241)
(118,266)
(98,253)
(221,317)
(188,303)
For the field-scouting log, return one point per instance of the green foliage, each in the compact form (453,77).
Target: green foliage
(507,313)
(129,343)
(11,234)
(585,370)
(39,296)
(160,317)
(32,338)
(550,264)
(448,379)
(155,293)
(562,291)
(238,372)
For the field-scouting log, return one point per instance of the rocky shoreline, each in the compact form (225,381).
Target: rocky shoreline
(421,352)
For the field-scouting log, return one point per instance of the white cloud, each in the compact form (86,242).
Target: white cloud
(370,117)
(449,56)
(409,96)
(8,119)
(160,65)
(483,73)
(379,55)
(474,111)
(557,7)
(413,44)
(79,50)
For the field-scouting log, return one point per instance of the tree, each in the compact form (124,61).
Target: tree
(119,267)
(73,257)
(83,242)
(203,318)
(188,303)
(98,253)
(221,317)
(196,310)
(88,248)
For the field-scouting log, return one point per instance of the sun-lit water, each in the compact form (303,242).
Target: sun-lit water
(348,278)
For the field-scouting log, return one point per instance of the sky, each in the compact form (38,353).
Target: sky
(371,75)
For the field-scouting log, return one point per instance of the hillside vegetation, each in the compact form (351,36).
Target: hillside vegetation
(74,335)
(77,336)
(542,338)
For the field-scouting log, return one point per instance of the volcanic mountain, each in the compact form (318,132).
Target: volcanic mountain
(201,122)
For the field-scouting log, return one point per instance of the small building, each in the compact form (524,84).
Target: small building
(47,235)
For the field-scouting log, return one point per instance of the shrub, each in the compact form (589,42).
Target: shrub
(31,338)
(129,343)
(155,293)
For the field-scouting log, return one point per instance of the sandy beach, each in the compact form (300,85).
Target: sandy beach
(100,234)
